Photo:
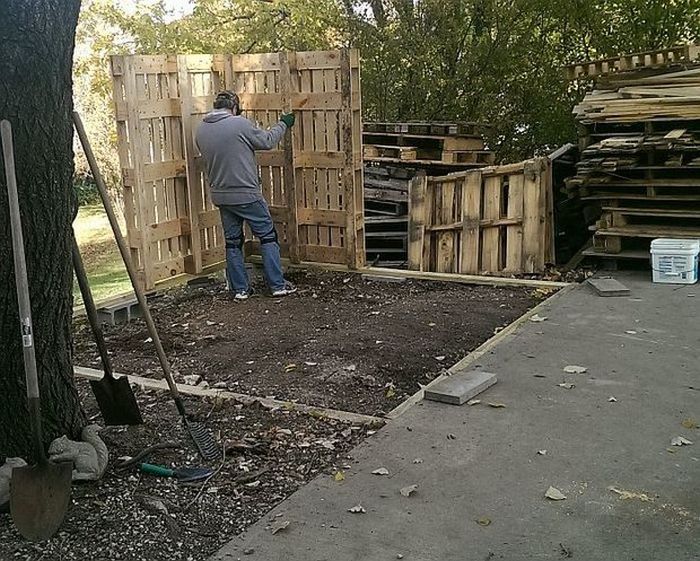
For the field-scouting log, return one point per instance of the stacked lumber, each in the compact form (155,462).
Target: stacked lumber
(639,173)
(444,147)
(674,94)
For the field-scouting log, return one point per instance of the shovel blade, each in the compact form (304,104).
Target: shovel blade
(39,499)
(116,401)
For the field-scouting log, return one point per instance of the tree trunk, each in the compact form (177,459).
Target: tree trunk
(36,42)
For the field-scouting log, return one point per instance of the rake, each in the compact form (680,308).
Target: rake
(204,441)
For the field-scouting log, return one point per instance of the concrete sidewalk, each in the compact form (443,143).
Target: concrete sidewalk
(642,350)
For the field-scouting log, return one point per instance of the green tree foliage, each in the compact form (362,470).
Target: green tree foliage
(497,61)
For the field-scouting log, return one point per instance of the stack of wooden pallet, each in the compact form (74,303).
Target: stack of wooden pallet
(386,213)
(639,174)
(445,147)
(395,153)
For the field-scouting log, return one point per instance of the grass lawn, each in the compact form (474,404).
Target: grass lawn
(100,253)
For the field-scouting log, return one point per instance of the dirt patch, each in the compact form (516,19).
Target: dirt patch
(342,341)
(131,516)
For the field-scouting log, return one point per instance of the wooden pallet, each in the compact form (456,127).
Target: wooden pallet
(497,220)
(379,151)
(646,59)
(313,183)
(428,128)
(610,240)
(468,157)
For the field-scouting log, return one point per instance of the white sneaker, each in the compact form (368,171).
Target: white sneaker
(288,289)
(240,296)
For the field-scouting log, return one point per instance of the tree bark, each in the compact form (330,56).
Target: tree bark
(36,41)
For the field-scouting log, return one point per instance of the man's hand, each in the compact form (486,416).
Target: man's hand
(288,119)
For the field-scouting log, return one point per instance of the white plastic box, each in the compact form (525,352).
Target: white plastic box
(675,261)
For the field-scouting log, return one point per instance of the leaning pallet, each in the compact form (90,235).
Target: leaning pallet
(493,220)
(313,183)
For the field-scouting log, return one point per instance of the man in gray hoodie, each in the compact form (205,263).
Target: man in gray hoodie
(228,141)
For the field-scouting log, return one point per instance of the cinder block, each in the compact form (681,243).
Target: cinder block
(460,388)
(609,287)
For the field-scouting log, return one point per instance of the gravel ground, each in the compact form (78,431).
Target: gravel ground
(131,516)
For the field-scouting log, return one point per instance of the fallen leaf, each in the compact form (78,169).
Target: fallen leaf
(290,367)
(431,324)
(680,441)
(418,461)
(149,340)
(496,405)
(631,332)
(311,363)
(440,358)
(542,452)
(473,402)
(408,491)
(573,369)
(339,476)
(390,393)
(483,521)
(357,509)
(612,399)
(689,424)
(566,386)
(554,494)
(279,526)
(451,436)
(538,319)
(380,471)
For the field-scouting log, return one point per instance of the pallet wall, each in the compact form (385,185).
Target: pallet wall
(312,182)
(493,220)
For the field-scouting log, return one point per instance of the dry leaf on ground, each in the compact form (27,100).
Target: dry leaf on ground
(538,319)
(680,441)
(279,526)
(409,490)
(483,521)
(554,494)
(381,471)
(357,509)
(496,405)
(339,476)
(473,402)
(566,386)
(573,369)
(689,423)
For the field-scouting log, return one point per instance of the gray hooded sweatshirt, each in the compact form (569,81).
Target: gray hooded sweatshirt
(228,146)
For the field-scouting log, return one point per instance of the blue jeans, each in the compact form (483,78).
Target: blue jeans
(257,215)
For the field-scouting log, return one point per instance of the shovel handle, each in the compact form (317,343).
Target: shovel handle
(91,309)
(153,469)
(126,257)
(24,304)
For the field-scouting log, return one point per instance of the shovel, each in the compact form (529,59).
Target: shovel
(114,396)
(39,494)
(203,439)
